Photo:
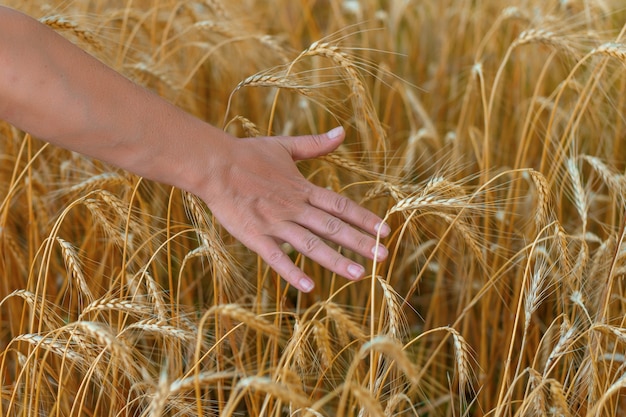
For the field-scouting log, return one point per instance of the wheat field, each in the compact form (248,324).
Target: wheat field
(490,134)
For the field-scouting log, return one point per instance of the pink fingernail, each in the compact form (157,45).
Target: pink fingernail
(356,271)
(335,133)
(305,284)
(380,252)
(383,229)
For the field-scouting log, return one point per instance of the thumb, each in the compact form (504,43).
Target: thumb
(312,146)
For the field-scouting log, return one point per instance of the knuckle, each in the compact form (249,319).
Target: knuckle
(364,243)
(333,226)
(311,243)
(294,275)
(341,204)
(275,257)
(337,261)
(318,140)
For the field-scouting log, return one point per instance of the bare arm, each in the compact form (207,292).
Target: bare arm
(59,93)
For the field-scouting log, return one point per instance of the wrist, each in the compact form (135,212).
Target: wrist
(190,157)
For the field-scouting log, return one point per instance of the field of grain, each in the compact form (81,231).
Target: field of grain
(490,134)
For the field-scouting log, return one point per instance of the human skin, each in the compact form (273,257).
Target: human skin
(59,93)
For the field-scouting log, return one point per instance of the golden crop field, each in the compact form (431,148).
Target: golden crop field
(490,134)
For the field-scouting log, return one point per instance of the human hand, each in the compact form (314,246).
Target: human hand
(251,185)
(257,193)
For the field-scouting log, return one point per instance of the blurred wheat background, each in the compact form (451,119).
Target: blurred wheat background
(491,134)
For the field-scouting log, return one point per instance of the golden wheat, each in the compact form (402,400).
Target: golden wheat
(494,150)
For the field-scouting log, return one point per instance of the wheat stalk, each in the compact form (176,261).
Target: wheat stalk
(37,303)
(559,399)
(349,165)
(543,36)
(462,355)
(155,293)
(246,317)
(116,304)
(537,398)
(211,242)
(323,341)
(269,80)
(53,345)
(159,399)
(429,202)
(392,348)
(250,129)
(158,327)
(112,231)
(542,214)
(468,233)
(8,242)
(394,312)
(533,294)
(298,346)
(581,200)
(613,179)
(72,263)
(358,89)
(370,406)
(613,49)
(104,337)
(96,182)
(58,22)
(286,394)
(344,322)
(568,335)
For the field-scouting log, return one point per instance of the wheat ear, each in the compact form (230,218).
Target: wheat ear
(72,263)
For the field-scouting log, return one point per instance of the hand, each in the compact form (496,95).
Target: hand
(257,193)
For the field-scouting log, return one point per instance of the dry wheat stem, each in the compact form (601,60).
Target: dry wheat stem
(155,293)
(72,263)
(61,23)
(427,202)
(543,213)
(396,321)
(370,406)
(569,333)
(323,341)
(251,130)
(155,326)
(268,387)
(158,43)
(59,348)
(344,322)
(127,306)
(48,315)
(96,182)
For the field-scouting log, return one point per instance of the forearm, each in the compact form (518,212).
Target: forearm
(59,93)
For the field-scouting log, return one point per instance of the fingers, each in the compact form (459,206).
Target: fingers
(343,234)
(347,210)
(310,245)
(328,216)
(313,247)
(312,146)
(308,235)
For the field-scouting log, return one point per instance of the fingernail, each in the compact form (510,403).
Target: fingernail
(383,229)
(306,285)
(356,271)
(380,252)
(335,133)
